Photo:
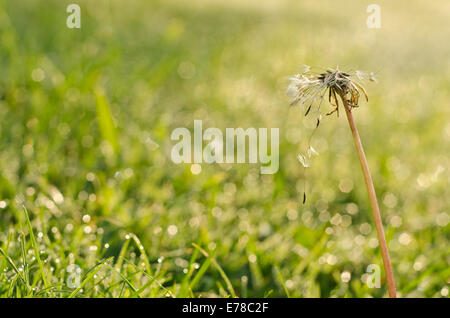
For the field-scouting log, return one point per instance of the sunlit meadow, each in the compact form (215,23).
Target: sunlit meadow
(85,122)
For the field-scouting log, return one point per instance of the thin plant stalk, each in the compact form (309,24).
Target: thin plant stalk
(373,200)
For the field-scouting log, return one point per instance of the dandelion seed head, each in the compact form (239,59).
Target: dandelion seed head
(309,88)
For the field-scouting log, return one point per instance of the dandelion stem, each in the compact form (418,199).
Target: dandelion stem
(373,200)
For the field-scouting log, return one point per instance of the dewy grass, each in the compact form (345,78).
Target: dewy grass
(58,159)
(309,89)
(36,249)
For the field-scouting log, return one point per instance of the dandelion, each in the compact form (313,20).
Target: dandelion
(309,89)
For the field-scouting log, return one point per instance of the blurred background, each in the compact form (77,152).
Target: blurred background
(85,122)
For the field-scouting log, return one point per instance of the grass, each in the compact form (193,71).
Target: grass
(82,112)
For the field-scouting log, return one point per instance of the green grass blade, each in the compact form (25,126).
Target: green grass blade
(35,248)
(219,269)
(153,279)
(105,120)
(13,265)
(90,275)
(184,288)
(142,251)
(281,280)
(202,270)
